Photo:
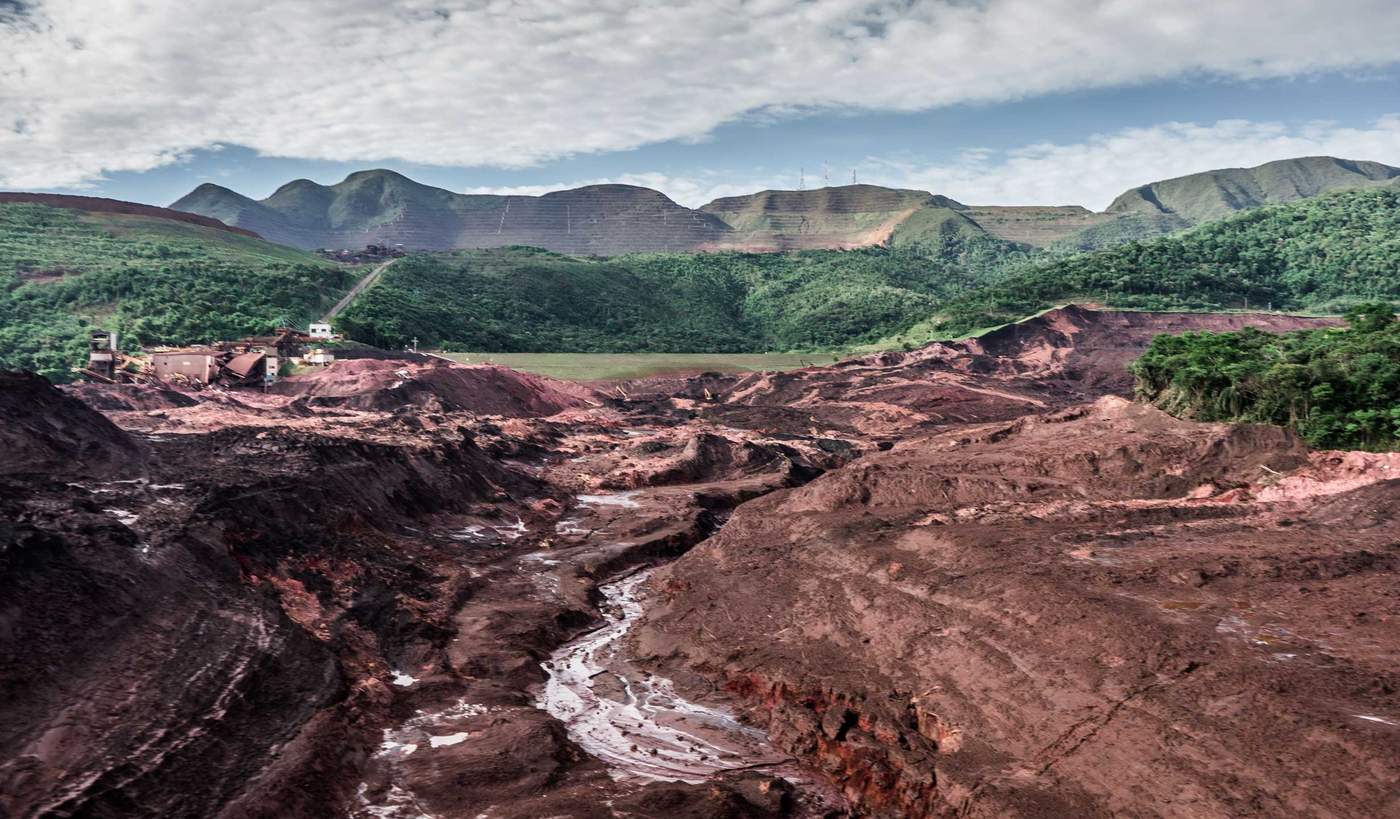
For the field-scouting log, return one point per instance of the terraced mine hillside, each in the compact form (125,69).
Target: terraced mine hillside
(383,207)
(1038,226)
(842,217)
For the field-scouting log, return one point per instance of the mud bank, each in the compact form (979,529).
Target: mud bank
(1092,612)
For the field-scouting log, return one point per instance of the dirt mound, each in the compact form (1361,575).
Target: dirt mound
(44,431)
(369,384)
(1063,357)
(1094,347)
(100,205)
(1079,613)
(129,397)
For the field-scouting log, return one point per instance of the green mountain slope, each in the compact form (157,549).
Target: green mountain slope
(161,280)
(1319,254)
(155,280)
(1211,195)
(1167,206)
(526,300)
(383,207)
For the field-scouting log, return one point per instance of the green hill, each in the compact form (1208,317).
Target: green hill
(1320,254)
(160,280)
(1202,197)
(156,280)
(383,207)
(1170,205)
(527,300)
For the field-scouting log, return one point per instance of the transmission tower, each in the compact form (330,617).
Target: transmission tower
(802,179)
(826,175)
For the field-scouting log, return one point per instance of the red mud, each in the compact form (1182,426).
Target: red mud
(956,581)
(441,386)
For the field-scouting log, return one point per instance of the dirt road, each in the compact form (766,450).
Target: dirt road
(360,286)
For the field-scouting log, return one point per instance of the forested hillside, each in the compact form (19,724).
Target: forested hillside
(523,299)
(1340,388)
(154,280)
(1319,254)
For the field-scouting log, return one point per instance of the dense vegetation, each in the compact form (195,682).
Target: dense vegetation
(155,281)
(1339,388)
(1319,254)
(168,282)
(527,300)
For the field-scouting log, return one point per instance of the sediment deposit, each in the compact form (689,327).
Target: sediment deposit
(970,579)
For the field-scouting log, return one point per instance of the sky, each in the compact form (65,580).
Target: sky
(986,101)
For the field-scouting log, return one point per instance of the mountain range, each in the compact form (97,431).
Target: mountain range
(380,206)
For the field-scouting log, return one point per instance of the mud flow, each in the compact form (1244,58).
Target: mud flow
(973,579)
(634,720)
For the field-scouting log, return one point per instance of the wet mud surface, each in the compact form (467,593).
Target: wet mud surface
(967,580)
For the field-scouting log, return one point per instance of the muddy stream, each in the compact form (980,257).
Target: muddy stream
(634,720)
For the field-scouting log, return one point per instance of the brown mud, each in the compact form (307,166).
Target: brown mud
(971,579)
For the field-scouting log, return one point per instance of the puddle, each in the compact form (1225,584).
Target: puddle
(123,516)
(569,526)
(421,734)
(624,499)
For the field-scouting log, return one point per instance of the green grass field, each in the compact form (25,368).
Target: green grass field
(607,366)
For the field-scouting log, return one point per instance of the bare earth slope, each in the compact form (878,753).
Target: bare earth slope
(841,217)
(1102,611)
(1038,226)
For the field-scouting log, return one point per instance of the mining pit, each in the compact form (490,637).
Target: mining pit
(973,579)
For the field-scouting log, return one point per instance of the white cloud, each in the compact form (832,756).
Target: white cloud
(92,87)
(1092,172)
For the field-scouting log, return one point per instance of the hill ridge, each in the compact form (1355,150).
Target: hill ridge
(102,204)
(1213,194)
